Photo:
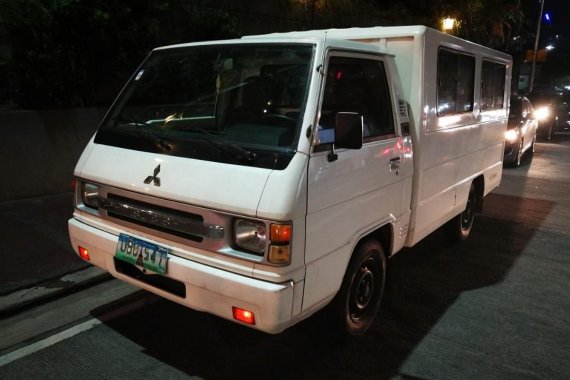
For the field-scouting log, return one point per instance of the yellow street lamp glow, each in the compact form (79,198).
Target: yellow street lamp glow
(448,23)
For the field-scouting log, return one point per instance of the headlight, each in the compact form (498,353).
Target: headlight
(256,237)
(250,235)
(90,195)
(542,113)
(511,135)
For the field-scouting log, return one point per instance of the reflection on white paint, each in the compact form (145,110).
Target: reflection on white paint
(446,121)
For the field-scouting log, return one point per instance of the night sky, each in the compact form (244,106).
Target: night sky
(558,13)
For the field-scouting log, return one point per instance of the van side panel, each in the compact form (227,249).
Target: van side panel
(452,150)
(448,152)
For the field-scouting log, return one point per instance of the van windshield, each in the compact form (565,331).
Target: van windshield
(240,104)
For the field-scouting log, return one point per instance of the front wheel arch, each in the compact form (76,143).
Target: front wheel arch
(355,306)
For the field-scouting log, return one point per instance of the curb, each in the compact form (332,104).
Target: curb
(50,289)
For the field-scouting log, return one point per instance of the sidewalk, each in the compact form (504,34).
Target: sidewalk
(38,261)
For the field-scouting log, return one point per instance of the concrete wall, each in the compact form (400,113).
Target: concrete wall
(39,149)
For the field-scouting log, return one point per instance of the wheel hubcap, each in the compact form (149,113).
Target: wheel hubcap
(364,289)
(363,293)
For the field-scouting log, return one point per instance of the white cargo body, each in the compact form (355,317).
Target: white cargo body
(277,173)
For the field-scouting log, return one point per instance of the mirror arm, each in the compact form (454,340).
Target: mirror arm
(332,156)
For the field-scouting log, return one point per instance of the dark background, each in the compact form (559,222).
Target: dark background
(79,53)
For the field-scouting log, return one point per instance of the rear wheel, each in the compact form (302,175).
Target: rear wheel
(355,306)
(458,228)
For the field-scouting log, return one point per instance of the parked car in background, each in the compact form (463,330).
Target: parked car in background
(552,111)
(521,131)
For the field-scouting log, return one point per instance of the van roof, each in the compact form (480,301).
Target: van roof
(348,33)
(286,38)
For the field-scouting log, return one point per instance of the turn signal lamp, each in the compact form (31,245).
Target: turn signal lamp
(279,254)
(280,248)
(84,253)
(280,233)
(243,315)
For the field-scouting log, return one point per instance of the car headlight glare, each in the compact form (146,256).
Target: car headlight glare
(542,113)
(511,135)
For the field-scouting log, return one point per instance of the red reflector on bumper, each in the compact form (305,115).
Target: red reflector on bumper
(245,316)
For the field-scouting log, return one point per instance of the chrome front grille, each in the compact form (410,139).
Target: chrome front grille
(184,224)
(167,220)
(171,220)
(189,225)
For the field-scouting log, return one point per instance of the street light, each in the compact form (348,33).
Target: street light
(447,24)
(535,52)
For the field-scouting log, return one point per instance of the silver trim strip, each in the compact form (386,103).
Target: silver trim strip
(163,219)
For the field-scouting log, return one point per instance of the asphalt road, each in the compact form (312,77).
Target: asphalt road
(494,307)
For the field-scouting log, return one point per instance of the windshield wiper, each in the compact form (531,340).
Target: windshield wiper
(238,152)
(142,130)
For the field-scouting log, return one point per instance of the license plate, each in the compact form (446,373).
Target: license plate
(142,253)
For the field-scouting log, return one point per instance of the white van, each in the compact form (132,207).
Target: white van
(263,178)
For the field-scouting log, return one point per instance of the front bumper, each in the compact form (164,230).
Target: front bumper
(205,288)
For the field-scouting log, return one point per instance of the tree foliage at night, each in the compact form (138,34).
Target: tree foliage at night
(488,22)
(69,53)
(78,53)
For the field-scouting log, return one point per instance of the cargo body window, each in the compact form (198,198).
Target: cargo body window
(493,77)
(455,82)
(357,85)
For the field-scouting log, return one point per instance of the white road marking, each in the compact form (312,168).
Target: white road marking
(49,341)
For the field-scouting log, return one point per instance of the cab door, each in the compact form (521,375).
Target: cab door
(354,191)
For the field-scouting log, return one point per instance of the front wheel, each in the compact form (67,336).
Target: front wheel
(458,228)
(355,306)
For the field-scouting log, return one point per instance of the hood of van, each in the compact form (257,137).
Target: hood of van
(231,188)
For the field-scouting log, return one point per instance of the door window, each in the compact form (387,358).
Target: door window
(357,85)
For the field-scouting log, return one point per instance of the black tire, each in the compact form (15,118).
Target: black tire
(354,308)
(550,126)
(458,228)
(530,151)
(518,159)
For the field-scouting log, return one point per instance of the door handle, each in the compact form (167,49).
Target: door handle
(395,165)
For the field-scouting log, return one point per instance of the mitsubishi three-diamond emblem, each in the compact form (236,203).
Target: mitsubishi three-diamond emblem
(154,178)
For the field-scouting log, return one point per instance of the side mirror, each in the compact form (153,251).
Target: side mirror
(348,129)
